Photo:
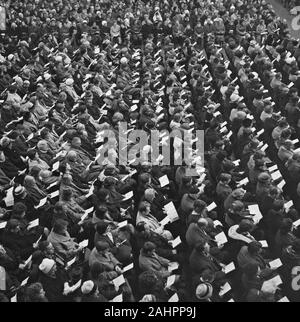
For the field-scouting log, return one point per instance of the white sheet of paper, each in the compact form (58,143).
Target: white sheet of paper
(71,262)
(122,224)
(288,205)
(259,133)
(273,168)
(25,281)
(120,280)
(229,268)
(128,268)
(281,184)
(84,243)
(264,148)
(243,182)
(176,242)
(41,203)
(276,263)
(275,281)
(217,223)
(171,212)
(225,289)
(171,280)
(33,223)
(173,266)
(231,300)
(264,243)
(254,209)
(236,162)
(55,166)
(3,224)
(295,141)
(54,194)
(76,286)
(14,299)
(118,299)
(296,223)
(211,207)
(276,175)
(128,195)
(28,260)
(174,298)
(164,181)
(52,185)
(221,238)
(165,221)
(284,299)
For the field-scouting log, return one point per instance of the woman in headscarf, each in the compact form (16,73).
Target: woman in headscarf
(33,190)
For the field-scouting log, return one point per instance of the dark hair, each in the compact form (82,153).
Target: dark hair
(31,154)
(101,227)
(18,209)
(148,247)
(59,225)
(254,247)
(100,212)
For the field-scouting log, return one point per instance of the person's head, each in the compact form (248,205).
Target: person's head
(149,195)
(102,247)
(89,288)
(19,210)
(13,226)
(148,282)
(199,206)
(254,248)
(202,223)
(60,227)
(278,205)
(101,227)
(48,267)
(204,291)
(245,226)
(35,293)
(149,248)
(238,194)
(207,275)
(144,208)
(101,212)
(66,194)
(76,142)
(225,178)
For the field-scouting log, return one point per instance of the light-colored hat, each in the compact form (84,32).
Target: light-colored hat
(204,291)
(87,287)
(46,265)
(69,82)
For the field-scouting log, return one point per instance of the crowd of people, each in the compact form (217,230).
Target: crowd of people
(80,229)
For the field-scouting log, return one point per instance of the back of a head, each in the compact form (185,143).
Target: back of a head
(59,225)
(254,247)
(245,226)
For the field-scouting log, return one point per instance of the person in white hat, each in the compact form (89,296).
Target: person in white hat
(204,292)
(90,293)
(53,281)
